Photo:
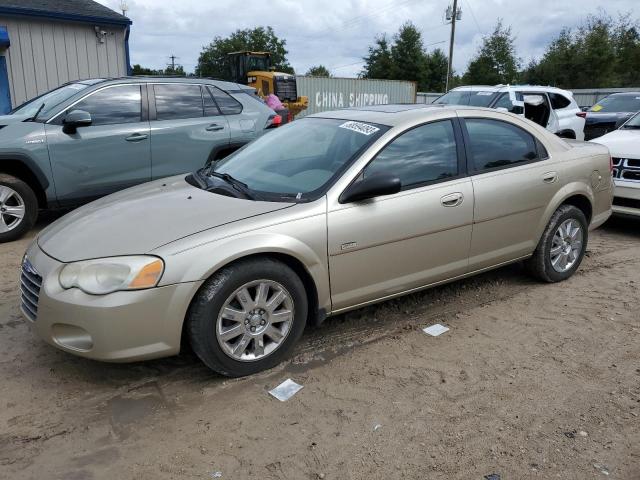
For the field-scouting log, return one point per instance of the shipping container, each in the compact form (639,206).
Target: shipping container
(335,93)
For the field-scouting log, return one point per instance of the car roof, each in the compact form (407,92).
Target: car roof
(391,114)
(224,85)
(516,88)
(625,94)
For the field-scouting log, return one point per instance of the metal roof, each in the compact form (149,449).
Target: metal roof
(73,10)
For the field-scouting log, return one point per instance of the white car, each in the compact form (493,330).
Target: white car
(624,146)
(553,108)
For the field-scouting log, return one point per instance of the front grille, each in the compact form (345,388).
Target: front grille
(30,283)
(285,89)
(627,169)
(626,202)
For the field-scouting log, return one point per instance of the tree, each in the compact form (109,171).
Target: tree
(496,61)
(318,71)
(602,52)
(177,71)
(213,60)
(378,64)
(137,69)
(436,75)
(409,61)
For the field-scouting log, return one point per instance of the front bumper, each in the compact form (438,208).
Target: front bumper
(626,199)
(118,327)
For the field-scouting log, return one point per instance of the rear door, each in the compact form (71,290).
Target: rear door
(186,128)
(513,181)
(111,154)
(421,235)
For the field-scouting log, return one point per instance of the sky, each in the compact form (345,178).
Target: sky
(337,33)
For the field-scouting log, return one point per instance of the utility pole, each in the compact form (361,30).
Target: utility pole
(173,62)
(453,15)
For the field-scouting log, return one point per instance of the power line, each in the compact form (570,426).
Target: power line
(473,15)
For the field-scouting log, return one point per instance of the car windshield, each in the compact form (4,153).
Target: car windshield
(49,100)
(633,122)
(618,103)
(299,160)
(467,97)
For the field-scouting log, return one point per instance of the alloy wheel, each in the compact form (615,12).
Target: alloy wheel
(12,209)
(255,320)
(566,245)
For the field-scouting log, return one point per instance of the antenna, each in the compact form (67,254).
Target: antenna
(124,7)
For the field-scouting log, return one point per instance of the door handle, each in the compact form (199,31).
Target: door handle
(550,177)
(214,127)
(452,200)
(136,137)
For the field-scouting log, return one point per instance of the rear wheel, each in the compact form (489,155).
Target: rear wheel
(562,246)
(247,317)
(18,208)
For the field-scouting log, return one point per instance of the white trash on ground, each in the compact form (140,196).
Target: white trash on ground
(285,390)
(435,330)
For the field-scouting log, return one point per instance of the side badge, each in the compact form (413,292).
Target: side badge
(348,245)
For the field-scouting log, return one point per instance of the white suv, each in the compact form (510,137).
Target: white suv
(554,109)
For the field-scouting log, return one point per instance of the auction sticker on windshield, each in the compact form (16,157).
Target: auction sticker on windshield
(360,127)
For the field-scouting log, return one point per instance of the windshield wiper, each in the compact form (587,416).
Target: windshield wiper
(33,119)
(235,183)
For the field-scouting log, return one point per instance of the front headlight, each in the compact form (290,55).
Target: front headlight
(106,275)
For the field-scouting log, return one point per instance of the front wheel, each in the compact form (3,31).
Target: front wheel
(247,317)
(562,246)
(18,208)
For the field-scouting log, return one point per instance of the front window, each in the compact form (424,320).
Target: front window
(50,100)
(299,160)
(478,98)
(111,105)
(618,103)
(422,155)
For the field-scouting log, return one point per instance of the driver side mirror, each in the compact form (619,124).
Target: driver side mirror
(376,185)
(75,119)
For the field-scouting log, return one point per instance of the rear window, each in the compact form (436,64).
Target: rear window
(559,101)
(468,97)
(175,101)
(618,103)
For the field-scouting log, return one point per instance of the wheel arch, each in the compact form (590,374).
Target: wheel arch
(23,168)
(575,194)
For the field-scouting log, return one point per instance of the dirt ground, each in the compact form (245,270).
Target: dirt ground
(533,381)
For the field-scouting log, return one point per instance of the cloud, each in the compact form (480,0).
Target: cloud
(337,33)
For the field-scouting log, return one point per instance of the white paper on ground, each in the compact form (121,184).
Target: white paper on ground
(285,390)
(435,330)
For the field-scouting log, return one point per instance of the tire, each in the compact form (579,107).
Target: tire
(541,264)
(16,197)
(207,327)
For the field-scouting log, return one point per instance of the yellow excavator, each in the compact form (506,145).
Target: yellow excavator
(254,69)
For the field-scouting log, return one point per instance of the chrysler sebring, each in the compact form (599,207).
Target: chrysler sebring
(329,213)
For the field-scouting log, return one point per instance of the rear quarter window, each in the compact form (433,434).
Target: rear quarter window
(559,101)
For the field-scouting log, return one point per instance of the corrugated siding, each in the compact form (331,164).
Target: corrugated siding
(45,54)
(335,93)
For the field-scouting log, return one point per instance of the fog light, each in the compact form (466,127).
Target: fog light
(71,337)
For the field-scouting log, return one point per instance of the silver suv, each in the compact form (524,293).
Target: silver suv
(89,138)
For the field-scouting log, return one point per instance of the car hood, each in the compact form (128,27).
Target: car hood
(622,143)
(142,218)
(593,118)
(9,119)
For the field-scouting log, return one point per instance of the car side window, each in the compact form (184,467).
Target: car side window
(559,101)
(176,101)
(112,105)
(210,107)
(496,144)
(423,154)
(226,103)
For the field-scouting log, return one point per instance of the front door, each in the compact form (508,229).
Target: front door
(421,235)
(186,127)
(513,183)
(111,154)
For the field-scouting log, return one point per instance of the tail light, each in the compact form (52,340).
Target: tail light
(289,117)
(274,121)
(581,114)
